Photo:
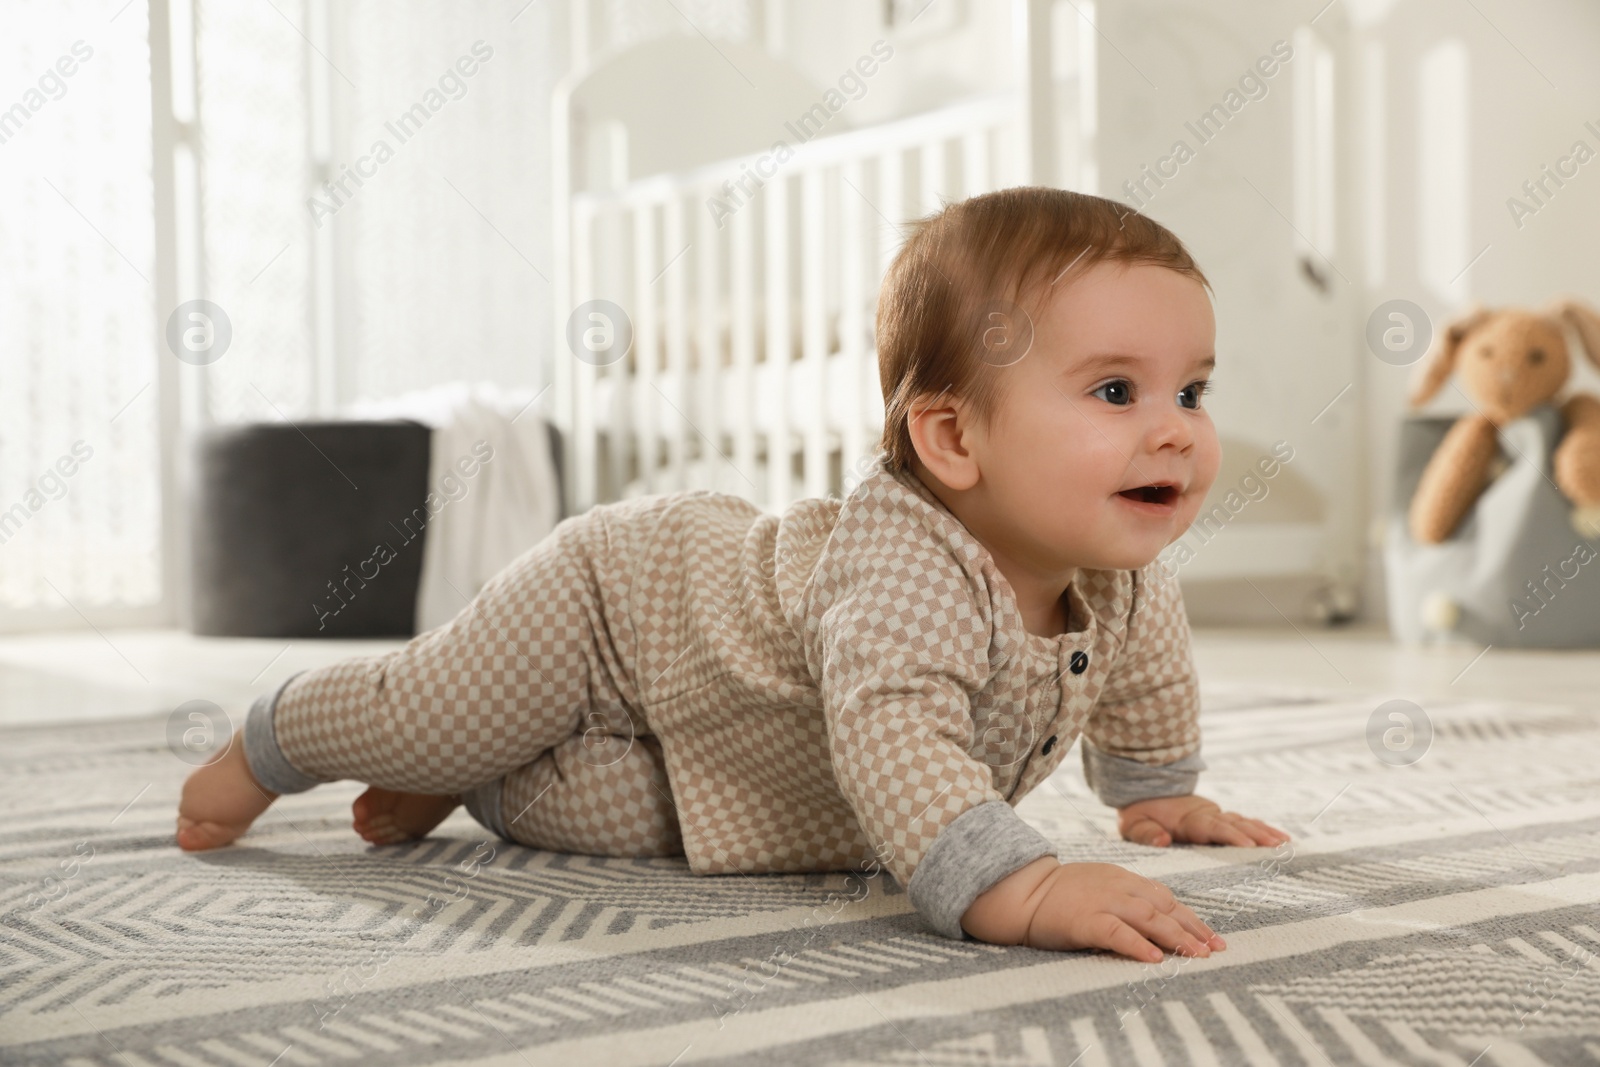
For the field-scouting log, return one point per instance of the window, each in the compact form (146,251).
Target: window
(124,202)
(80,435)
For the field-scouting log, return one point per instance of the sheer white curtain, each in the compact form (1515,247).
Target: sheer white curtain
(433,267)
(254,151)
(443,252)
(364,247)
(80,491)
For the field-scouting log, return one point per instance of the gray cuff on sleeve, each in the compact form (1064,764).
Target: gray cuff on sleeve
(261,751)
(980,846)
(483,803)
(1119,782)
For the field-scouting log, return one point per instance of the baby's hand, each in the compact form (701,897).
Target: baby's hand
(1053,905)
(1162,820)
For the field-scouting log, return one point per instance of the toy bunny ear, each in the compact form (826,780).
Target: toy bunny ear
(1441,358)
(1583,320)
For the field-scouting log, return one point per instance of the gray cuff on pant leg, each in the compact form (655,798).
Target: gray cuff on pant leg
(261,751)
(483,803)
(1119,781)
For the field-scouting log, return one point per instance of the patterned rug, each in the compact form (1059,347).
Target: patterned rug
(1440,904)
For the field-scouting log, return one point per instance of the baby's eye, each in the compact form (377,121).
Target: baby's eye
(1195,390)
(1124,391)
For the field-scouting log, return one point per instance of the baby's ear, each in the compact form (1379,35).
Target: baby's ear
(1441,358)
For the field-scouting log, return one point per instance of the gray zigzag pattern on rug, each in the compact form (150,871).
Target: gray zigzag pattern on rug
(1429,913)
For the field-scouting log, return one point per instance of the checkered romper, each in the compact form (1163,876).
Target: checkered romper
(842,686)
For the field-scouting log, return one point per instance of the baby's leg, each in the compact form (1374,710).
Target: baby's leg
(605,799)
(220,800)
(387,817)
(596,793)
(509,677)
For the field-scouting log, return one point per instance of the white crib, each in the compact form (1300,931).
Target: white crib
(752,369)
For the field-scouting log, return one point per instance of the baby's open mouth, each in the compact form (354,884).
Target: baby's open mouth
(1152,494)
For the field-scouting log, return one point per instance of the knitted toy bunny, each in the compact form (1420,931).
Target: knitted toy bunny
(1511,361)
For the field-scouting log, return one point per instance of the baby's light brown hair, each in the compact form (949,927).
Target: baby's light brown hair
(1004,249)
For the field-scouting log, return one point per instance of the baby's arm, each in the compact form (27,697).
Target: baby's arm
(1054,905)
(1160,821)
(1141,755)
(1048,904)
(1156,804)
(897,703)
(1141,742)
(900,642)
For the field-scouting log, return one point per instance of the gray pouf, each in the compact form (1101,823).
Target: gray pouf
(286,517)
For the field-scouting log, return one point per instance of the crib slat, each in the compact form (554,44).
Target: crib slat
(814,326)
(891,200)
(618,374)
(932,173)
(1013,162)
(741,280)
(975,163)
(779,445)
(645,339)
(853,299)
(707,373)
(677,413)
(582,371)
(691,398)
(562,372)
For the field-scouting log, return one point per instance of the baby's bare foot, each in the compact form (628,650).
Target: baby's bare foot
(384,817)
(220,800)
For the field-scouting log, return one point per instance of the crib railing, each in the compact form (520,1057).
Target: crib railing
(749,286)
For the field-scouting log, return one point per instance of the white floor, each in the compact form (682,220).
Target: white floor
(76,676)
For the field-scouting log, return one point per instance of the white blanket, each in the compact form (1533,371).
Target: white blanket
(492,489)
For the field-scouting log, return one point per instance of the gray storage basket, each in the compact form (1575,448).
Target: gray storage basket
(282,512)
(1519,532)
(278,520)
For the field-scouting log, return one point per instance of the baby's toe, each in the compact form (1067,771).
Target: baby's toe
(197,835)
(374,828)
(373,807)
(382,835)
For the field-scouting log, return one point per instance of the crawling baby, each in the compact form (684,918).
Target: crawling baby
(858,683)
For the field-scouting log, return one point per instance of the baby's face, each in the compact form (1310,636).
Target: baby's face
(1106,400)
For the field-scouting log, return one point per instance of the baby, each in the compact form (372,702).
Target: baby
(855,683)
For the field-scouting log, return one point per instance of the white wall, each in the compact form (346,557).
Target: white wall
(953,49)
(1532,83)
(1260,197)
(1424,171)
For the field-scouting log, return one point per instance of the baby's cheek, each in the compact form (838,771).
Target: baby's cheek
(1207,463)
(1210,448)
